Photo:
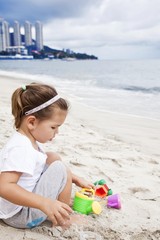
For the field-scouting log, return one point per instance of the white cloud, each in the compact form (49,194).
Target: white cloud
(100,27)
(109,24)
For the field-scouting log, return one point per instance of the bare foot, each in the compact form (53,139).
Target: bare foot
(77,219)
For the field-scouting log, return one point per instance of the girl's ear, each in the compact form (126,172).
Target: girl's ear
(31,122)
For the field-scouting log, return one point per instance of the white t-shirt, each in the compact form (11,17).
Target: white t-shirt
(20,156)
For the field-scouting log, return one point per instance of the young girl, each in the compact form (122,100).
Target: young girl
(34,185)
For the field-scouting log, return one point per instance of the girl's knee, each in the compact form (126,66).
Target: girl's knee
(58,165)
(59,169)
(52,157)
(62,171)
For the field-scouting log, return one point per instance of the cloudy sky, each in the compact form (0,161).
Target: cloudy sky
(109,29)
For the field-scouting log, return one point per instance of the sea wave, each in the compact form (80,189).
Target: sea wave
(121,94)
(67,83)
(142,89)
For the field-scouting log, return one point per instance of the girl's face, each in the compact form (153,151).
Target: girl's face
(45,130)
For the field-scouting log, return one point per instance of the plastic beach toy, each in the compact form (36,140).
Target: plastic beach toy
(102,189)
(100,182)
(84,202)
(113,201)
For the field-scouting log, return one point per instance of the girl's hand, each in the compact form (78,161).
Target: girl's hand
(57,212)
(81,182)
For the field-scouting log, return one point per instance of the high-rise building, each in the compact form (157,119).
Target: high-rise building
(39,35)
(28,33)
(7,34)
(15,46)
(17,35)
(2,35)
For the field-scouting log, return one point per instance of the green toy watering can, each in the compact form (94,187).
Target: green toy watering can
(84,202)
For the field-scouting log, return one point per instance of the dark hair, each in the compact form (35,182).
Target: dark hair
(33,95)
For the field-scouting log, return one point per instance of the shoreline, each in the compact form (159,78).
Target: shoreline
(123,150)
(28,77)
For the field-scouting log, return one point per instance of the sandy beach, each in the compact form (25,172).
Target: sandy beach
(123,150)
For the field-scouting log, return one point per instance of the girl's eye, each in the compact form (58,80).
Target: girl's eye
(53,128)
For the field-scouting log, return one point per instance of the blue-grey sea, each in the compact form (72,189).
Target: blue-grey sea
(127,87)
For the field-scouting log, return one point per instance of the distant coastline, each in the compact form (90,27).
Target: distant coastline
(67,54)
(46,53)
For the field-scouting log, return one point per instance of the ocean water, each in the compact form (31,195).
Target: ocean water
(127,87)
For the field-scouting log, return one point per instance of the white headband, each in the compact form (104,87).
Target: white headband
(43,105)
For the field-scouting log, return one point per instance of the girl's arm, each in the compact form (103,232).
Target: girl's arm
(57,211)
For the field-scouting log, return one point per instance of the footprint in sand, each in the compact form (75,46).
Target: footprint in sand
(115,161)
(75,163)
(138,189)
(147,235)
(154,162)
(143,193)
